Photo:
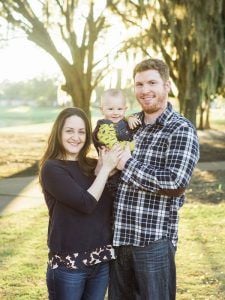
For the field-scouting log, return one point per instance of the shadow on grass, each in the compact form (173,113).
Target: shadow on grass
(207,187)
(30,171)
(20,191)
(212,152)
(212,145)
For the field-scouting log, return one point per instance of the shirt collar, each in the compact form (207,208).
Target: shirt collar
(163,118)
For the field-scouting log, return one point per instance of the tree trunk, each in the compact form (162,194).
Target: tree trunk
(201,125)
(207,122)
(181,99)
(79,90)
(190,110)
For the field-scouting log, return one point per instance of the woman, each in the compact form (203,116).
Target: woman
(79,231)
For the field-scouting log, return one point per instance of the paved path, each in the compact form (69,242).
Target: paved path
(24,192)
(211,166)
(19,193)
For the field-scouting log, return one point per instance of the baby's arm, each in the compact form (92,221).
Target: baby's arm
(133,121)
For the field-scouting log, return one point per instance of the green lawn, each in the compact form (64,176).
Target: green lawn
(23,255)
(200,255)
(23,251)
(23,115)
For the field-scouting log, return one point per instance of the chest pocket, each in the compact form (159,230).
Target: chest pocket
(151,150)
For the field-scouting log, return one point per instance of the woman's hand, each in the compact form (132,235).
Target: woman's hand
(110,158)
(99,163)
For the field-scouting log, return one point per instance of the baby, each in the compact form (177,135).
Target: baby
(114,128)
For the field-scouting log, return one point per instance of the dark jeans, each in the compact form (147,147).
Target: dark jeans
(144,273)
(90,283)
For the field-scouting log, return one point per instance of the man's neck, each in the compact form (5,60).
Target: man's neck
(150,118)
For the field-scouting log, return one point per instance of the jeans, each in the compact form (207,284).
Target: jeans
(88,283)
(144,273)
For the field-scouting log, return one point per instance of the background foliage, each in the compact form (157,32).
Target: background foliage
(189,35)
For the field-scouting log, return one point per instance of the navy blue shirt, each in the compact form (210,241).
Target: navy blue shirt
(77,222)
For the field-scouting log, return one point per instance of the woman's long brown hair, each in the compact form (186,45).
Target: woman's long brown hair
(55,147)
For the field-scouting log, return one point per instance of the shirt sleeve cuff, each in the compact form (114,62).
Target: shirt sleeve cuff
(129,169)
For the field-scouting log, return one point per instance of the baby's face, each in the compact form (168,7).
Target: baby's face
(113,108)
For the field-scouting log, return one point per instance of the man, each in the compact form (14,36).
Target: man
(146,221)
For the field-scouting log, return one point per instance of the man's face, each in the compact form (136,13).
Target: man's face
(151,91)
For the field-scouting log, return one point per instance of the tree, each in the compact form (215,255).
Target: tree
(196,37)
(190,35)
(40,90)
(68,30)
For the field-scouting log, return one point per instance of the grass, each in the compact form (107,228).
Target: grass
(22,146)
(207,187)
(23,250)
(24,115)
(217,119)
(200,256)
(23,255)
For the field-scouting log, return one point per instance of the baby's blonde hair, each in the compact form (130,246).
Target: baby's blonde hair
(112,93)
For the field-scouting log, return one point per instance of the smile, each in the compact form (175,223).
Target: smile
(74,144)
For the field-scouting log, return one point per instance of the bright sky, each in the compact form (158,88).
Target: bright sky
(22,60)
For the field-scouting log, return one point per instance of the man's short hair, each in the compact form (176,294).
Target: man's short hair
(153,64)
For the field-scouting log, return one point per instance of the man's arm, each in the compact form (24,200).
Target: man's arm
(181,157)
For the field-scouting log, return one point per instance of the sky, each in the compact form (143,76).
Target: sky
(22,60)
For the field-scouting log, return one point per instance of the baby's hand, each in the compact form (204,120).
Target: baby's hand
(133,121)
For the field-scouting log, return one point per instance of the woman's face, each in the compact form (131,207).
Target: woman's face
(73,136)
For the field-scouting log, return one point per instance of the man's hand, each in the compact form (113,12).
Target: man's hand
(126,154)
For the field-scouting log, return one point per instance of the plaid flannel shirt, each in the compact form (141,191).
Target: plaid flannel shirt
(164,157)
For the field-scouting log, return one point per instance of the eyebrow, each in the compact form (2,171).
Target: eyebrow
(67,127)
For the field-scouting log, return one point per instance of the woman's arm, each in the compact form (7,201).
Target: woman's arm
(59,185)
(109,160)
